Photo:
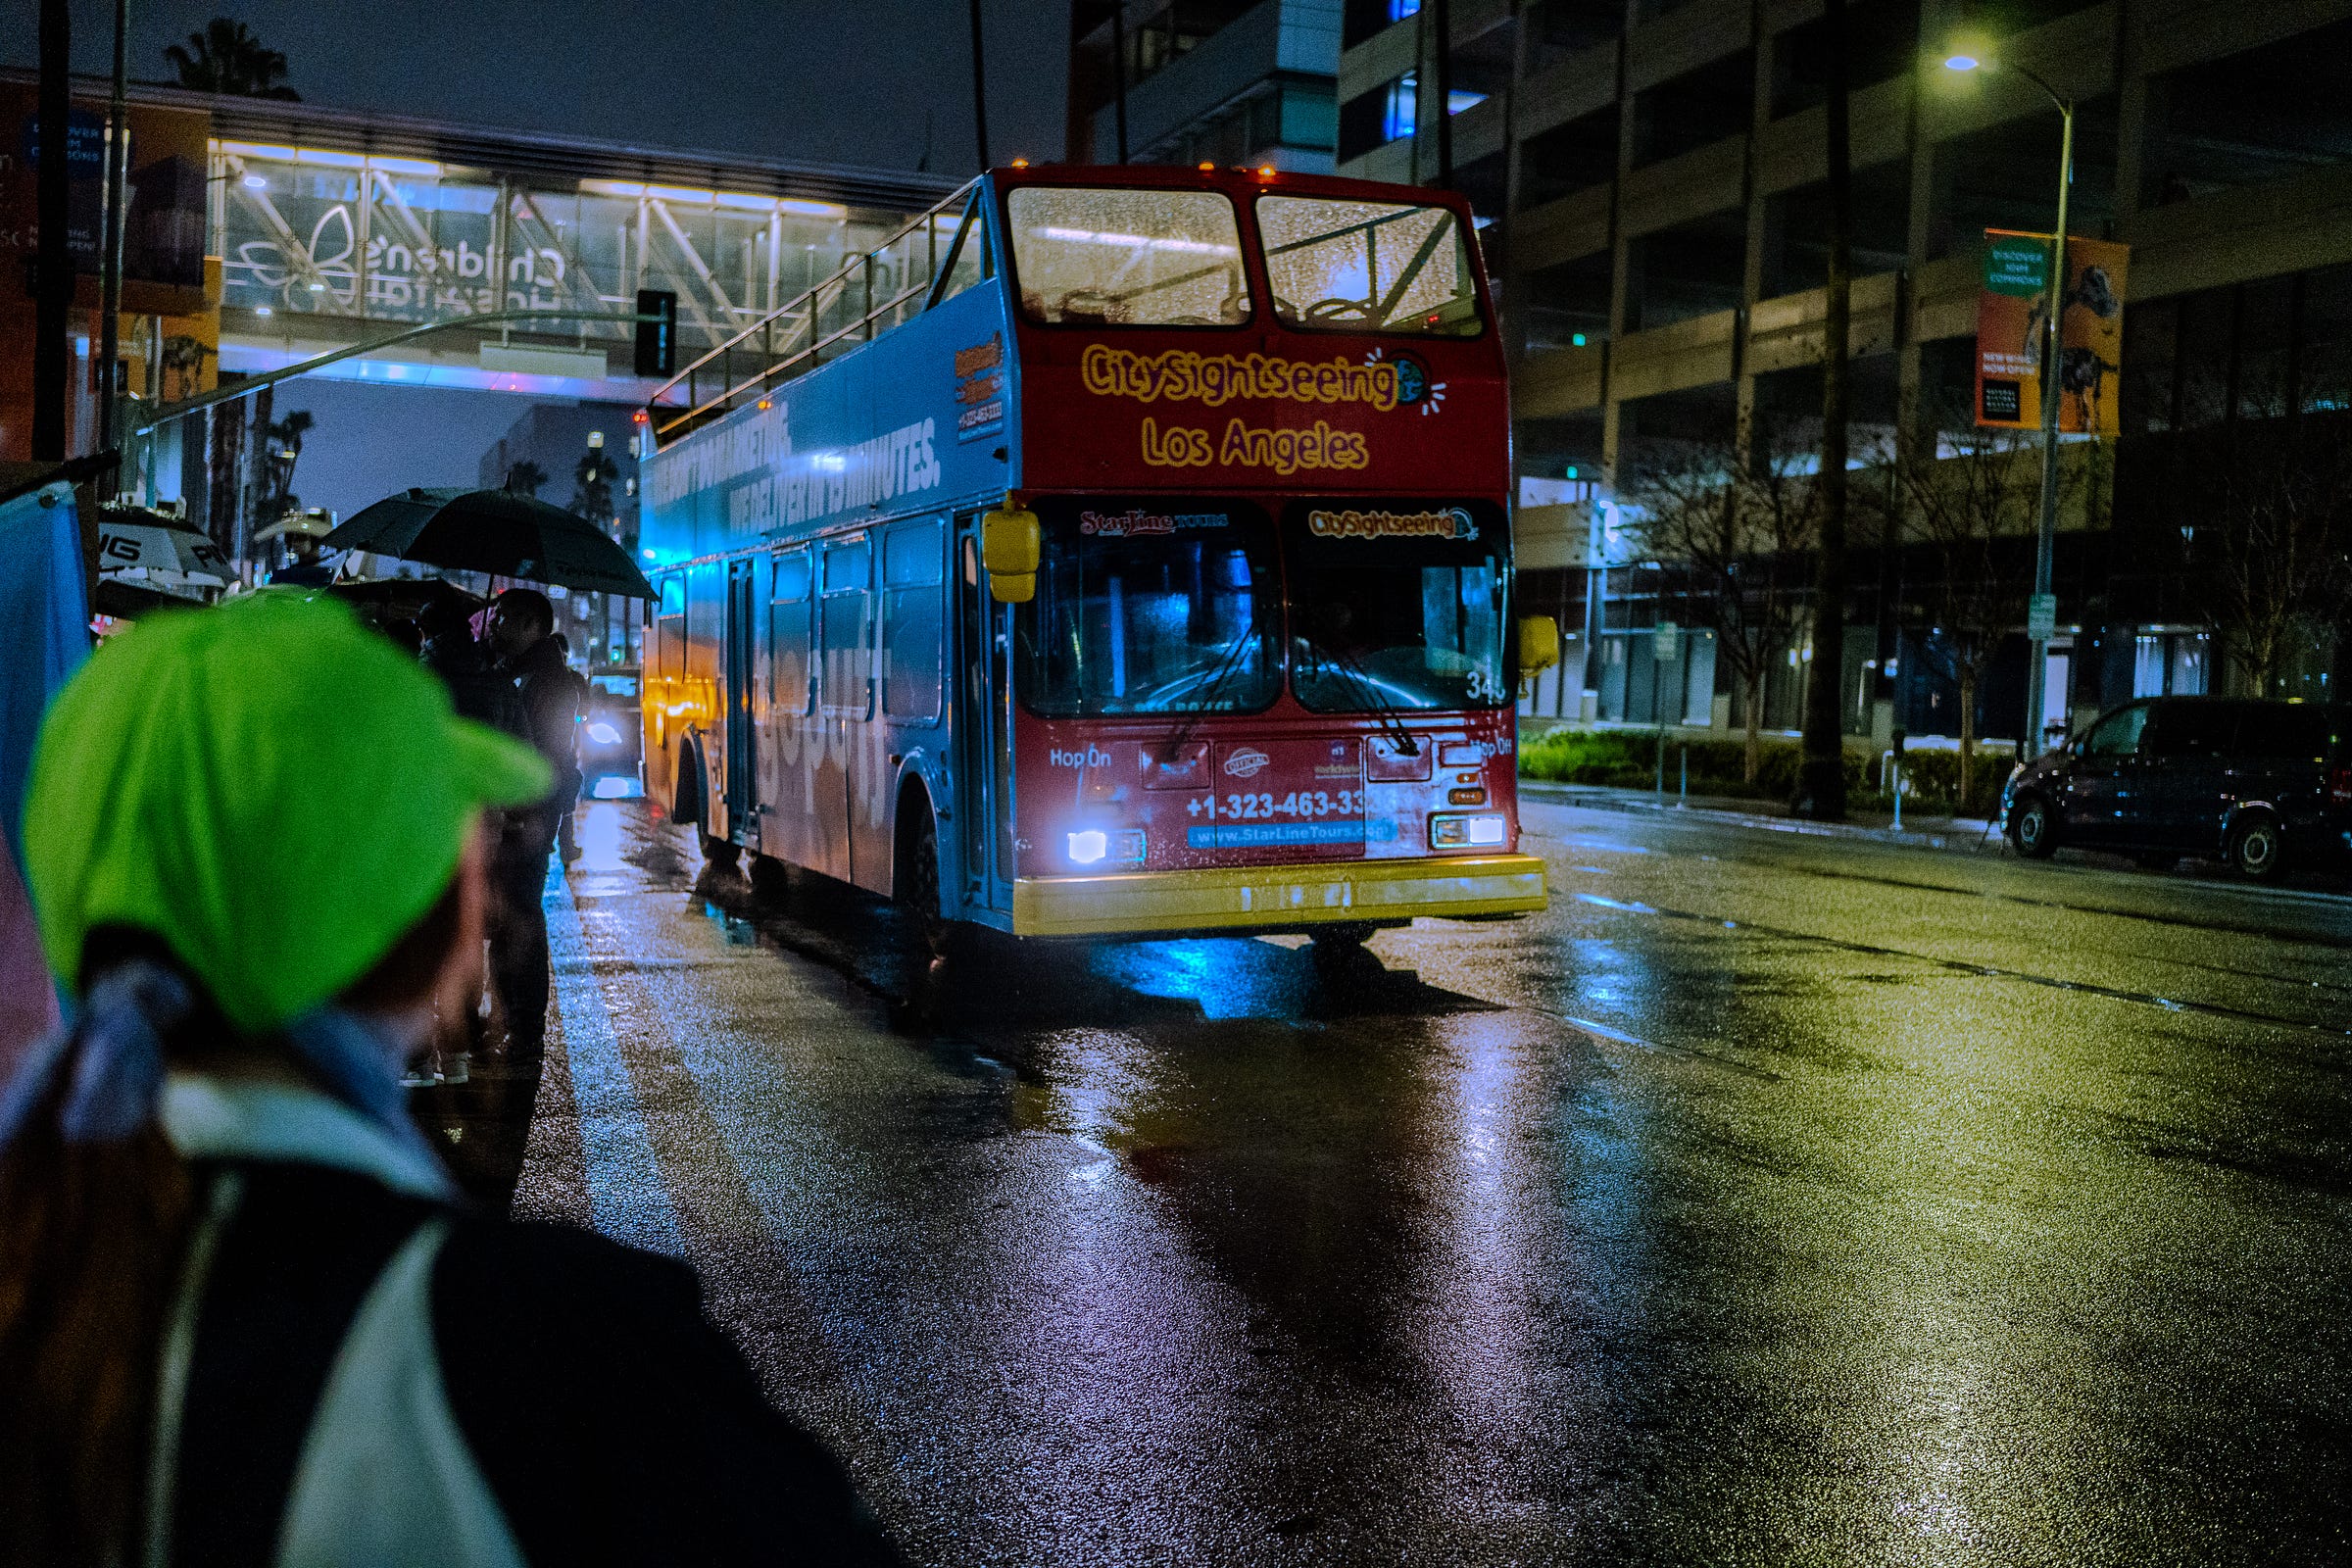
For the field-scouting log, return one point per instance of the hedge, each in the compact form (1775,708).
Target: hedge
(1628,759)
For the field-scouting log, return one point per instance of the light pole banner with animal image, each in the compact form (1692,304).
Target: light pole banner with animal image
(2010,316)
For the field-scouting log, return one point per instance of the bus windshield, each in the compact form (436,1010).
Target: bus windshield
(1395,606)
(1127,258)
(1157,607)
(1368,266)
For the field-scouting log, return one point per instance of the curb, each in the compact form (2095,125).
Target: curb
(1953,833)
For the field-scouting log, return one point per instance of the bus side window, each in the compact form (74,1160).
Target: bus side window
(914,619)
(848,670)
(788,634)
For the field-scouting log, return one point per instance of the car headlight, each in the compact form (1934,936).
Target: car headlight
(1466,832)
(603,734)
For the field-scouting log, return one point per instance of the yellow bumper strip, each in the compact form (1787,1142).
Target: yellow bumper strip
(1275,897)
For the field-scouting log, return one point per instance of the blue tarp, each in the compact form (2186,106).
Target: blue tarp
(44,636)
(44,631)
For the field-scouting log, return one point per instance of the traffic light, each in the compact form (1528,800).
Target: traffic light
(657,338)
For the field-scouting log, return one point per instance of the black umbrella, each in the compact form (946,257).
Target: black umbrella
(383,601)
(127,601)
(499,531)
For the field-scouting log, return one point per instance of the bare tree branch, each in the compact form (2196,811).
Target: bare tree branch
(1736,529)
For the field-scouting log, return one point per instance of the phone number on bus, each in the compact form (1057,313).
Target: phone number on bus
(1266,806)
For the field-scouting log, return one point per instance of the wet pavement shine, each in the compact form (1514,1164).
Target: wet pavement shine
(1770,1199)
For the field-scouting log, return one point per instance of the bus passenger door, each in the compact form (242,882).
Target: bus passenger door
(793,733)
(742,771)
(662,692)
(844,692)
(983,746)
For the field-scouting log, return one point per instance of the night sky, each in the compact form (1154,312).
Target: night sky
(824,81)
(830,81)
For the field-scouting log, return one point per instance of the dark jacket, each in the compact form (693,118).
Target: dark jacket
(598,1418)
(552,695)
(479,691)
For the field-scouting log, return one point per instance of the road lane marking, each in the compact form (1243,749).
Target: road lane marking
(628,1198)
(2310,939)
(1986,970)
(1615,904)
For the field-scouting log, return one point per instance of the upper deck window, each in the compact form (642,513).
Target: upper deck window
(1128,258)
(1368,266)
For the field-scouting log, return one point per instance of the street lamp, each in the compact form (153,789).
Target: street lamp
(2043,612)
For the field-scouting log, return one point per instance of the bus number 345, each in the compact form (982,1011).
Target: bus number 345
(1266,806)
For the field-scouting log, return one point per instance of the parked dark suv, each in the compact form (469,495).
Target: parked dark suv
(2261,784)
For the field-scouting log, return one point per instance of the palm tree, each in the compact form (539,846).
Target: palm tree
(226,58)
(525,477)
(592,496)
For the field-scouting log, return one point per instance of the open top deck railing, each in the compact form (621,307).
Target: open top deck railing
(874,292)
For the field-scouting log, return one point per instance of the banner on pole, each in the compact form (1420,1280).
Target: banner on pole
(2010,312)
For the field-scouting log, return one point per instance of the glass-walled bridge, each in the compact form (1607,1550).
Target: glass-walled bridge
(334,227)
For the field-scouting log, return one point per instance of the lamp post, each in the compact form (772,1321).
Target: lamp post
(2041,616)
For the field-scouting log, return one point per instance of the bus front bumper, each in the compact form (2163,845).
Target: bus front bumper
(1276,898)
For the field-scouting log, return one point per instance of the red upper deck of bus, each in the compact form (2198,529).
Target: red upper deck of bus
(1271,330)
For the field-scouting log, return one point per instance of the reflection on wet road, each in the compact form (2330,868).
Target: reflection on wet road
(1769,1200)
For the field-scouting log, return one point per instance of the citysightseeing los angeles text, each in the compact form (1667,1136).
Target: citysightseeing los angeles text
(1114,552)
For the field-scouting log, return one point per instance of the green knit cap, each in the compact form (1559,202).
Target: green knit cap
(272,788)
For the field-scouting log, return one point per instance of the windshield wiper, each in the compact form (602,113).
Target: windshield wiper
(1228,661)
(1393,721)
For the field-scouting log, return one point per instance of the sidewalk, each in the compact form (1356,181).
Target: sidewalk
(1963,833)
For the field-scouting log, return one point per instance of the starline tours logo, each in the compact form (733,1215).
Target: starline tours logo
(1136,520)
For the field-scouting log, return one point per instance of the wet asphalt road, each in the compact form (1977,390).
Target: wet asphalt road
(1771,1200)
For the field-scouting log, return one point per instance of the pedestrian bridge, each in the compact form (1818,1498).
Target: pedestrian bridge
(337,228)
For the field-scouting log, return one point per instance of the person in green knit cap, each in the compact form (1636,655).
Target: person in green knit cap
(243,1315)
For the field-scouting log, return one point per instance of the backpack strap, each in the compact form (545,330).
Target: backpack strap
(385,1475)
(221,1197)
(275,1282)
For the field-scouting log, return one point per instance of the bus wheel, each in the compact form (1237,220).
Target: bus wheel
(918,891)
(721,854)
(770,878)
(1340,948)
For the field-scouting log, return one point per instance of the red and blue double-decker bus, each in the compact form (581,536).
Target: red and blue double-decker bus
(1115,552)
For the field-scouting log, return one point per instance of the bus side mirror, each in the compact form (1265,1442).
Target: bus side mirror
(1538,643)
(1010,546)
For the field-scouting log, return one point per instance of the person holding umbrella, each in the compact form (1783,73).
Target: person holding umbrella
(524,648)
(513,535)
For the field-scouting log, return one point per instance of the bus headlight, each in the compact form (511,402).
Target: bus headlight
(1092,845)
(1464,832)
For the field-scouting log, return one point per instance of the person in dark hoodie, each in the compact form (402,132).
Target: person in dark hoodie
(524,649)
(244,1317)
(450,651)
